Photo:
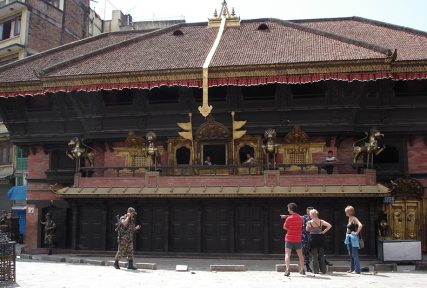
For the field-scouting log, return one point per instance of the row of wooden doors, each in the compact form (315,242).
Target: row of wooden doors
(214,225)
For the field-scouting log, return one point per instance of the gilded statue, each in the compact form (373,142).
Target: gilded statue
(77,150)
(370,147)
(151,150)
(270,147)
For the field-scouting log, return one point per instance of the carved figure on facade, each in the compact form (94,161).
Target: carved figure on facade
(369,145)
(270,147)
(78,150)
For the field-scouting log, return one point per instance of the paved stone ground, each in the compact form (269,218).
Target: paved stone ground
(63,275)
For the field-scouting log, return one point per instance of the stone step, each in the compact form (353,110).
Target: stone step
(282,268)
(94,262)
(148,266)
(421,266)
(338,268)
(229,268)
(181,268)
(385,267)
(74,260)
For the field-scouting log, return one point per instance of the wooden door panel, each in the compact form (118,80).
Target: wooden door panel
(184,229)
(91,228)
(216,229)
(250,229)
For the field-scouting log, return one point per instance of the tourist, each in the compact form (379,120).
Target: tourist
(250,160)
(208,161)
(316,241)
(293,227)
(352,239)
(305,237)
(330,158)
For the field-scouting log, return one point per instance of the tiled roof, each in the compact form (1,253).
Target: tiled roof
(410,44)
(29,69)
(284,42)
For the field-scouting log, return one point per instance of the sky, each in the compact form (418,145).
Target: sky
(408,13)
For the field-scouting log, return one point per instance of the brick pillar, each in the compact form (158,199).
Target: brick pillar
(32,227)
(371,176)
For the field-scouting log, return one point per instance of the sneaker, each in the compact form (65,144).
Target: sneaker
(287,273)
(302,272)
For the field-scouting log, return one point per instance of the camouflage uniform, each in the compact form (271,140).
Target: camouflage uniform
(125,239)
(305,235)
(49,233)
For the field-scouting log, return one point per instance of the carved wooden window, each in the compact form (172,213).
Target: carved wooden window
(297,156)
(140,161)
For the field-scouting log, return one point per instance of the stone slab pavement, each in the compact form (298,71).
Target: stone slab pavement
(37,274)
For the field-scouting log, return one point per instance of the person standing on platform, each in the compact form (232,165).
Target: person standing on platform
(293,238)
(316,241)
(49,232)
(305,237)
(125,230)
(354,226)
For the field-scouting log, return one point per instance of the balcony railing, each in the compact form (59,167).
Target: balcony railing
(218,170)
(21,164)
(7,2)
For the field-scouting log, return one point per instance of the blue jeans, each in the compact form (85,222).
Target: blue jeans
(354,256)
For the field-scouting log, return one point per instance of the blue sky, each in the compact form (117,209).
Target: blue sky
(409,13)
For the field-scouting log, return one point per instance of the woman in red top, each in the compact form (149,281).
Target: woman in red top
(293,238)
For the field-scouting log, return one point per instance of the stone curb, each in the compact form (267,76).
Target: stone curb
(94,262)
(148,266)
(338,268)
(230,268)
(385,267)
(421,267)
(282,268)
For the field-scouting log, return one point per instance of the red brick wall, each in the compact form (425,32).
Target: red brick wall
(38,163)
(417,156)
(50,27)
(76,19)
(31,227)
(417,159)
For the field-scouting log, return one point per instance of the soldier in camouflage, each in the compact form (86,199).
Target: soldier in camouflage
(49,232)
(125,229)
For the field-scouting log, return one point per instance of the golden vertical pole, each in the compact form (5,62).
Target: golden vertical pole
(192,138)
(232,143)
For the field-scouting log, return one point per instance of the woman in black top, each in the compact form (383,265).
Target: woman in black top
(354,226)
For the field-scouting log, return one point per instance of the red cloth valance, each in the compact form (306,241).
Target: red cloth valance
(236,81)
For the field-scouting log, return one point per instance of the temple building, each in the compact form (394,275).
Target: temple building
(210,129)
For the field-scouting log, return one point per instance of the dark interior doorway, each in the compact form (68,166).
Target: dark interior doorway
(216,153)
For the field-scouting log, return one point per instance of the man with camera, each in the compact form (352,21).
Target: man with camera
(125,229)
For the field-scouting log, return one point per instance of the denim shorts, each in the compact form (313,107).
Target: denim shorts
(293,245)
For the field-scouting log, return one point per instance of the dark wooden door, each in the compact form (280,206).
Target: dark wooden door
(153,234)
(249,229)
(217,223)
(277,234)
(185,228)
(91,232)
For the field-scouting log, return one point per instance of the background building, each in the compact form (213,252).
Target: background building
(28,27)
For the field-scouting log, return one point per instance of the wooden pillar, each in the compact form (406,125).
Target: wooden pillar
(167,226)
(337,214)
(266,210)
(371,229)
(199,226)
(74,225)
(104,226)
(232,214)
